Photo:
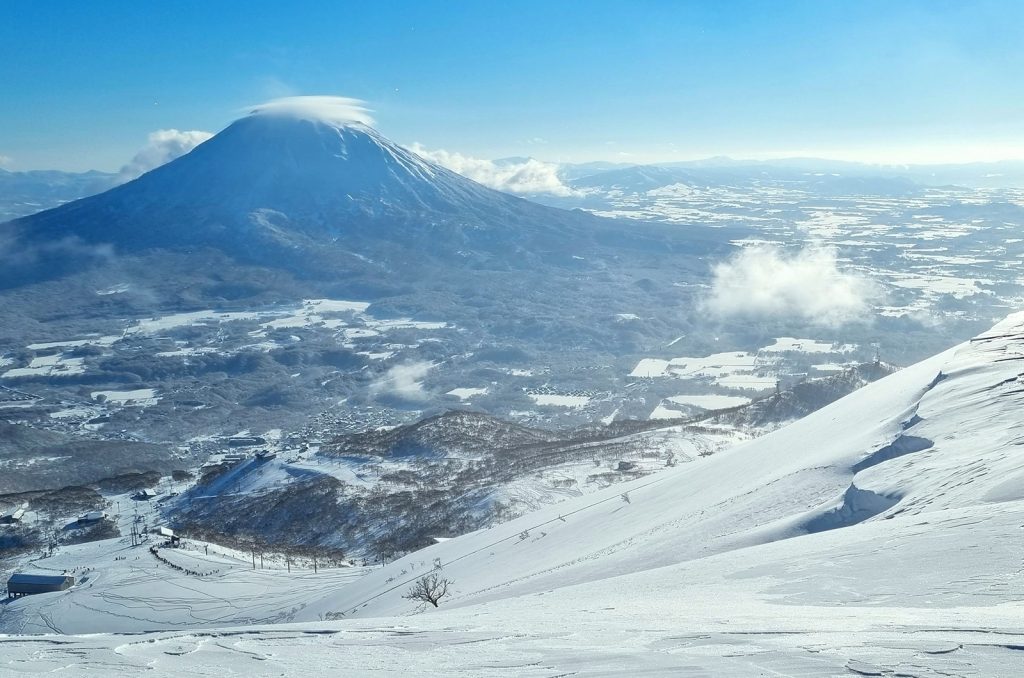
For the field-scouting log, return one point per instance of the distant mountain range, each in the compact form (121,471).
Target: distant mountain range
(999,174)
(29,192)
(24,193)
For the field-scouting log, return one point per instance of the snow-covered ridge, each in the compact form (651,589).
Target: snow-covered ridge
(933,437)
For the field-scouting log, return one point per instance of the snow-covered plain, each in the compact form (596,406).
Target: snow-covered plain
(354,323)
(139,397)
(55,365)
(880,536)
(934,250)
(465,393)
(736,370)
(558,400)
(709,402)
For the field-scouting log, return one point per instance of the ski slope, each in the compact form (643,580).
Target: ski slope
(120,588)
(776,487)
(881,535)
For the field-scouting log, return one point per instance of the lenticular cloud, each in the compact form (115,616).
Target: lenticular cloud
(339,110)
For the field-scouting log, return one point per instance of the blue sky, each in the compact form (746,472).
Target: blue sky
(83,83)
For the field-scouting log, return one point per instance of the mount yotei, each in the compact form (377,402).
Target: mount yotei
(323,200)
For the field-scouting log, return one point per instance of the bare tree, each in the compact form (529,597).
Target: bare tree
(429,588)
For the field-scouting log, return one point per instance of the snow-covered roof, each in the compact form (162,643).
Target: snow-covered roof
(38,579)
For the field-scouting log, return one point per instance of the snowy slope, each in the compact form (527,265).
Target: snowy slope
(124,589)
(774,487)
(878,536)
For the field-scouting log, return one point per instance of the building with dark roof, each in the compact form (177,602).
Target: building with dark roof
(24,584)
(13,517)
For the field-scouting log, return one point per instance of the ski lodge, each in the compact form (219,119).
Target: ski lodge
(13,516)
(22,584)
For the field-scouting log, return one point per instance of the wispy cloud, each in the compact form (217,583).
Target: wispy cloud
(5,160)
(22,259)
(163,146)
(340,110)
(765,281)
(520,175)
(276,88)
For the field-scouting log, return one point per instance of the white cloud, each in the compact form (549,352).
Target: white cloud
(765,281)
(521,175)
(5,160)
(403,381)
(339,110)
(164,145)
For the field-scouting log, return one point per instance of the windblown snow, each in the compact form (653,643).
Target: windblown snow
(880,535)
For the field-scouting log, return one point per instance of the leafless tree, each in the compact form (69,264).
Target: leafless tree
(429,588)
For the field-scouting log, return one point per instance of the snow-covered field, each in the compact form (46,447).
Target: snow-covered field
(55,365)
(140,397)
(937,254)
(739,370)
(709,402)
(466,393)
(348,319)
(744,374)
(558,400)
(878,536)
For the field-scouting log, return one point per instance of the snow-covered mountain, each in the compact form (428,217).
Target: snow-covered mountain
(877,536)
(276,184)
(281,208)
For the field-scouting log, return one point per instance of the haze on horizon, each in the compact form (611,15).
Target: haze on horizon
(879,82)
